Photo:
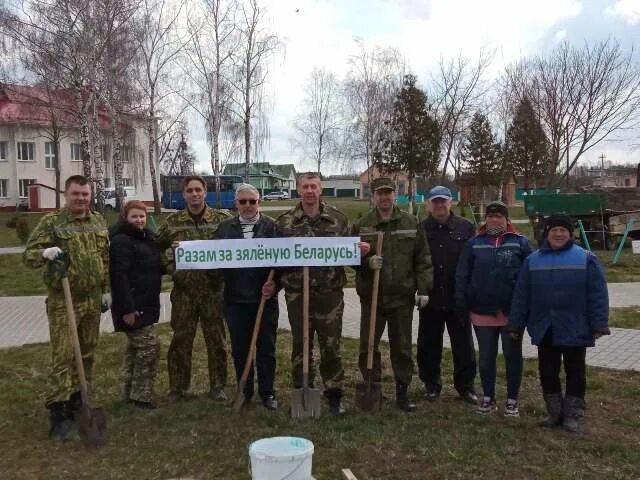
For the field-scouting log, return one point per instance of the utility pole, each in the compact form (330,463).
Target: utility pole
(602,157)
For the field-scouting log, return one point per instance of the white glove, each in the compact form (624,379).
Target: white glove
(106,301)
(421,301)
(51,253)
(375,262)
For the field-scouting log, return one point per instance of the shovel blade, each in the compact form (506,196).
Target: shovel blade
(369,396)
(92,427)
(305,403)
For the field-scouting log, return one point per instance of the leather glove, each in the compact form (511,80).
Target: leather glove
(51,253)
(422,301)
(513,332)
(105,302)
(601,332)
(375,262)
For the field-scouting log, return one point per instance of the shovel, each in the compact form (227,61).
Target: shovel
(92,422)
(305,401)
(369,393)
(239,400)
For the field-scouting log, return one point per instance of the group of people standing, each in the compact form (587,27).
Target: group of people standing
(489,281)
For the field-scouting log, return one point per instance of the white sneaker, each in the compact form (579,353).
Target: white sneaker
(511,409)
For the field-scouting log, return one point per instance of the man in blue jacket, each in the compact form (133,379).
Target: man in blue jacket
(561,297)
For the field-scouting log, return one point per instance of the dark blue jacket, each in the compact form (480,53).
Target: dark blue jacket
(487,271)
(244,285)
(564,290)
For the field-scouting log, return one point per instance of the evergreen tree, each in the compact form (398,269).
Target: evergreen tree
(481,152)
(526,145)
(411,141)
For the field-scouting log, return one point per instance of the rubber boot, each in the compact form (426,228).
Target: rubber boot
(334,396)
(58,415)
(402,400)
(74,405)
(553,401)
(573,412)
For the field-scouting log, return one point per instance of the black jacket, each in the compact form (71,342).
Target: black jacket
(136,272)
(446,241)
(244,285)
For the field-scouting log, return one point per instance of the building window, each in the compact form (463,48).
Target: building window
(4,147)
(4,188)
(76,152)
(23,186)
(126,153)
(26,151)
(107,182)
(126,182)
(50,155)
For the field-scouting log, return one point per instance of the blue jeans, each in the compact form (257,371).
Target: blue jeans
(488,352)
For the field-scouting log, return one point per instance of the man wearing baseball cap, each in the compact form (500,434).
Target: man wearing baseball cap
(561,297)
(446,234)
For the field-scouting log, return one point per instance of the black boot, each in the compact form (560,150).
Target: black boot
(334,396)
(553,401)
(74,405)
(572,413)
(402,399)
(59,430)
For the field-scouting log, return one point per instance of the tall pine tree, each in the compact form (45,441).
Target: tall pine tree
(412,139)
(482,153)
(526,146)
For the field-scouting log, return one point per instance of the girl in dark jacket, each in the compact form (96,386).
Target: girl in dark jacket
(136,274)
(485,278)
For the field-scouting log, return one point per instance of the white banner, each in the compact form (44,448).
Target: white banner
(268,252)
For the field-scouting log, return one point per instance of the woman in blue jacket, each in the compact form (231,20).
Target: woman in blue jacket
(485,278)
(561,297)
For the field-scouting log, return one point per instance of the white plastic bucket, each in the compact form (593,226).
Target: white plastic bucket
(281,458)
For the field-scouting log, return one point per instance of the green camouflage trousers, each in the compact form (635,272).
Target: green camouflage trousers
(399,320)
(140,364)
(64,378)
(187,309)
(325,320)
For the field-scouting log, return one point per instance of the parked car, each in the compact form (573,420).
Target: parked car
(276,196)
(110,197)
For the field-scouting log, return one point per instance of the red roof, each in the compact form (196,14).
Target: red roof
(27,105)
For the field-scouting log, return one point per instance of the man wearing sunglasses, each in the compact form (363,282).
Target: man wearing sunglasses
(243,288)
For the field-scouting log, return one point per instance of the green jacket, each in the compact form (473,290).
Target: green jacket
(180,226)
(330,223)
(406,267)
(85,241)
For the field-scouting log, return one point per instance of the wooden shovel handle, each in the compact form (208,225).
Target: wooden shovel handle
(75,341)
(254,335)
(305,322)
(374,304)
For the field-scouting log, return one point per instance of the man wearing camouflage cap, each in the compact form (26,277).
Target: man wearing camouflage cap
(74,239)
(406,278)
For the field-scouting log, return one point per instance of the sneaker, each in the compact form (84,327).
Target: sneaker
(487,407)
(218,394)
(269,402)
(144,405)
(470,397)
(431,394)
(511,409)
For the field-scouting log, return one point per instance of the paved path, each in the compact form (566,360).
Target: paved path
(23,321)
(9,250)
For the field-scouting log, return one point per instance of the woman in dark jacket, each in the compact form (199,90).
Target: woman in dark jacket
(485,279)
(136,275)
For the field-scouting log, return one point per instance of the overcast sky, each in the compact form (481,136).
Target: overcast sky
(321,33)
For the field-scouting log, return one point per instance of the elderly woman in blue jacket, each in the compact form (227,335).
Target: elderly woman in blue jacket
(561,297)
(485,278)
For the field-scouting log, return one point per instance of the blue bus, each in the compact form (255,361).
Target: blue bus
(172,191)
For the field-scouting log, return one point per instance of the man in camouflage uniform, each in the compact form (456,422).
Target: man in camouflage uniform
(314,218)
(406,270)
(78,238)
(196,295)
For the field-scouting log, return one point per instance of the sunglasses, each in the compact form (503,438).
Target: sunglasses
(244,201)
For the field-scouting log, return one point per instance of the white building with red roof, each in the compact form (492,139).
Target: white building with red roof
(26,147)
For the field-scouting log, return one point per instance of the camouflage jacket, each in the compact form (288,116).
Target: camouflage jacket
(406,267)
(330,223)
(180,226)
(86,243)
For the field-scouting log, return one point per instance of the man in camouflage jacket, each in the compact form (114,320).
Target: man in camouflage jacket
(196,295)
(406,277)
(314,218)
(76,239)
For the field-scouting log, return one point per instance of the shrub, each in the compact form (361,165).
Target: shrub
(11,223)
(22,229)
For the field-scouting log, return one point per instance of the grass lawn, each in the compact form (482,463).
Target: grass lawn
(625,317)
(200,439)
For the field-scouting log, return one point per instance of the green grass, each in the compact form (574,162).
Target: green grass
(625,317)
(16,279)
(201,439)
